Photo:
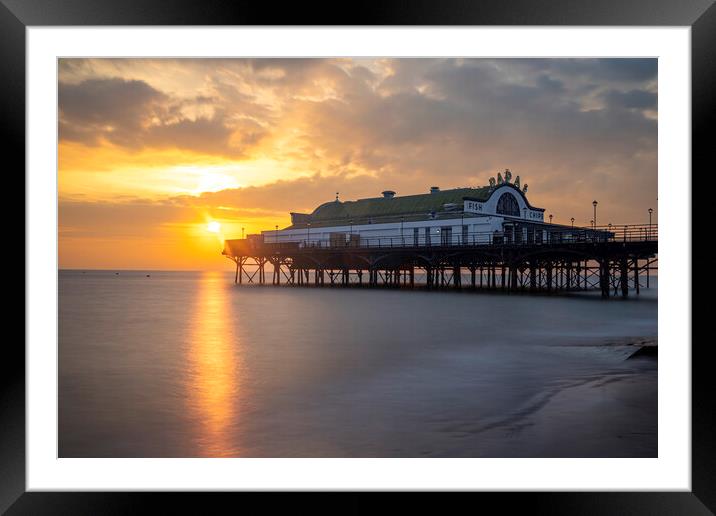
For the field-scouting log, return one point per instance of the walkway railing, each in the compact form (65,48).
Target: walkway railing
(516,236)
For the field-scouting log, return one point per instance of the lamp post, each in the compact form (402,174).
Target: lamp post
(308,236)
(276,233)
(594,203)
(550,218)
(242,233)
(572,219)
(648,236)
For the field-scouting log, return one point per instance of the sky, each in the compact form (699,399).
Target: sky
(153,151)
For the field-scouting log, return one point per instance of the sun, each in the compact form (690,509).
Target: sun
(213,227)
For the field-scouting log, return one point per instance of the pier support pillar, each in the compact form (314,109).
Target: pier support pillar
(513,278)
(533,277)
(586,269)
(604,277)
(624,279)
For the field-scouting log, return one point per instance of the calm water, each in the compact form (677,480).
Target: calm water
(187,364)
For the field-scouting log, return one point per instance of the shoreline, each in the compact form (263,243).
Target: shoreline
(636,347)
(636,341)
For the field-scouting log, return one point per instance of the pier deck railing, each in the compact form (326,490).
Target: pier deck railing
(517,237)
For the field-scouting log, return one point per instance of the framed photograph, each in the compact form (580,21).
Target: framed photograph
(416,250)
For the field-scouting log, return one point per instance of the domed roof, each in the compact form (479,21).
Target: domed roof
(382,208)
(330,210)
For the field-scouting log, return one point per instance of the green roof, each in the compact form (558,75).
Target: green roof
(381,209)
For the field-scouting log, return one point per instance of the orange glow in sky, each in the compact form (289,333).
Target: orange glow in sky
(161,159)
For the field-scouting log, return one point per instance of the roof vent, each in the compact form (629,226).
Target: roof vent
(434,189)
(388,194)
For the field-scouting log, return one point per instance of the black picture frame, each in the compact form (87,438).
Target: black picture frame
(700,15)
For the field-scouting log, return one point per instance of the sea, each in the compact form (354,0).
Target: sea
(188,364)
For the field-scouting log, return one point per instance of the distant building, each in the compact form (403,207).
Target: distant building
(488,214)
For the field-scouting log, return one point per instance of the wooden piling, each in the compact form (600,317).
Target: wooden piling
(624,279)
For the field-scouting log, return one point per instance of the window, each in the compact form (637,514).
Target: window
(464,234)
(416,236)
(446,235)
(507,205)
(427,236)
(508,233)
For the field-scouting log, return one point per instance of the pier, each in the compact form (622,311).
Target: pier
(612,259)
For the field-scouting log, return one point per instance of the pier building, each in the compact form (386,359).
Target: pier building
(500,212)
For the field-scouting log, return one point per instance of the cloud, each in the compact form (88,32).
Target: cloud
(627,69)
(606,70)
(132,114)
(632,99)
(115,109)
(280,197)
(371,114)
(465,119)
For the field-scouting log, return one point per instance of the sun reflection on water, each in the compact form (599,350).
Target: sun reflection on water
(213,386)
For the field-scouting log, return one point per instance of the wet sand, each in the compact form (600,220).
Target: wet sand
(615,411)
